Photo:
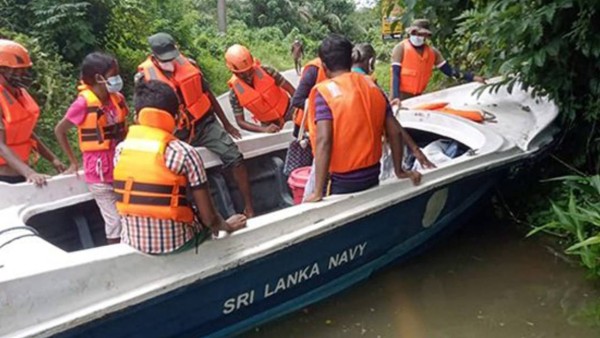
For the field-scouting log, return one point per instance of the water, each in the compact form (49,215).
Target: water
(485,280)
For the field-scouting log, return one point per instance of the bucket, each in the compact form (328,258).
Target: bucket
(297,182)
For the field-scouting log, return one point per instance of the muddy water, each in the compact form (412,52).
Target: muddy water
(483,281)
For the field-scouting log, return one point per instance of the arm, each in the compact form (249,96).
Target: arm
(287,86)
(307,82)
(395,141)
(238,112)
(397,55)
(13,161)
(61,130)
(449,71)
(322,158)
(241,121)
(48,154)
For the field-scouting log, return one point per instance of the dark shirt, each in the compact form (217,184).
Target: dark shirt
(307,82)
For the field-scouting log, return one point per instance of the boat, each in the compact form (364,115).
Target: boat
(58,279)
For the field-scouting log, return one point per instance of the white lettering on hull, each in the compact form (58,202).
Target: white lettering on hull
(295,278)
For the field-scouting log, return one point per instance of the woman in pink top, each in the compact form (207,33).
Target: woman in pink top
(99,95)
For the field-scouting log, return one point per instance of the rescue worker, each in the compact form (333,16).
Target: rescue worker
(363,62)
(413,61)
(198,108)
(312,73)
(349,115)
(297,51)
(260,89)
(99,113)
(19,114)
(153,169)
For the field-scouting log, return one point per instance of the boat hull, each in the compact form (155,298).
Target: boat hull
(290,279)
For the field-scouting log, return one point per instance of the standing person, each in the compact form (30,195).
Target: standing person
(18,116)
(350,114)
(260,89)
(198,107)
(153,169)
(297,53)
(312,74)
(99,113)
(413,61)
(363,62)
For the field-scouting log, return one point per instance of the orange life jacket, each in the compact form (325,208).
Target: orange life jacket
(19,115)
(186,81)
(416,68)
(358,108)
(471,114)
(264,99)
(321,76)
(144,185)
(95,134)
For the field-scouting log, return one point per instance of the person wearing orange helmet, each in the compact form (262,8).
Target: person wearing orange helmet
(18,117)
(198,108)
(260,89)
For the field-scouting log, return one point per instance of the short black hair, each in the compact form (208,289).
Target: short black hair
(336,52)
(96,63)
(155,94)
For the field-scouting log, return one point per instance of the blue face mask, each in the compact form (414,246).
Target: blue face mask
(114,84)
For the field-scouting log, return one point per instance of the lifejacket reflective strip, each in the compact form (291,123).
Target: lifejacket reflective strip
(321,76)
(265,99)
(416,68)
(143,183)
(19,116)
(358,107)
(187,83)
(95,134)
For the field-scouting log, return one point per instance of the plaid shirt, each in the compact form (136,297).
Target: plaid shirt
(161,236)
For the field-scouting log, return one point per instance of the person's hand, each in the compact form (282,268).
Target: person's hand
(233,131)
(58,165)
(423,160)
(235,223)
(38,179)
(396,102)
(479,79)
(413,175)
(314,197)
(272,128)
(73,169)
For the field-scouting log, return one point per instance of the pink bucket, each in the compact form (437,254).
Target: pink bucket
(297,182)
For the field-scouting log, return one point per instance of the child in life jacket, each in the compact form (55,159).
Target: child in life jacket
(99,113)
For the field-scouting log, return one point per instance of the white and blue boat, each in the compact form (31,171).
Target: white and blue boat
(58,279)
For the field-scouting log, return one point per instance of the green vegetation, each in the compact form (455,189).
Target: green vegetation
(552,47)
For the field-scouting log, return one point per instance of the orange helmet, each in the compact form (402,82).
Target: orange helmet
(238,59)
(13,55)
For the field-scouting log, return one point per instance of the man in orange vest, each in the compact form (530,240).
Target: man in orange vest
(260,89)
(413,61)
(152,173)
(18,117)
(349,115)
(198,107)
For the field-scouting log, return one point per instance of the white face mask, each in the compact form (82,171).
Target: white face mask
(166,66)
(416,40)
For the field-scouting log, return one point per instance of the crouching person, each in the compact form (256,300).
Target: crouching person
(153,169)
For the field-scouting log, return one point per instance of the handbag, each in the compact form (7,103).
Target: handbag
(299,152)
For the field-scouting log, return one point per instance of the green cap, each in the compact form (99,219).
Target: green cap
(163,46)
